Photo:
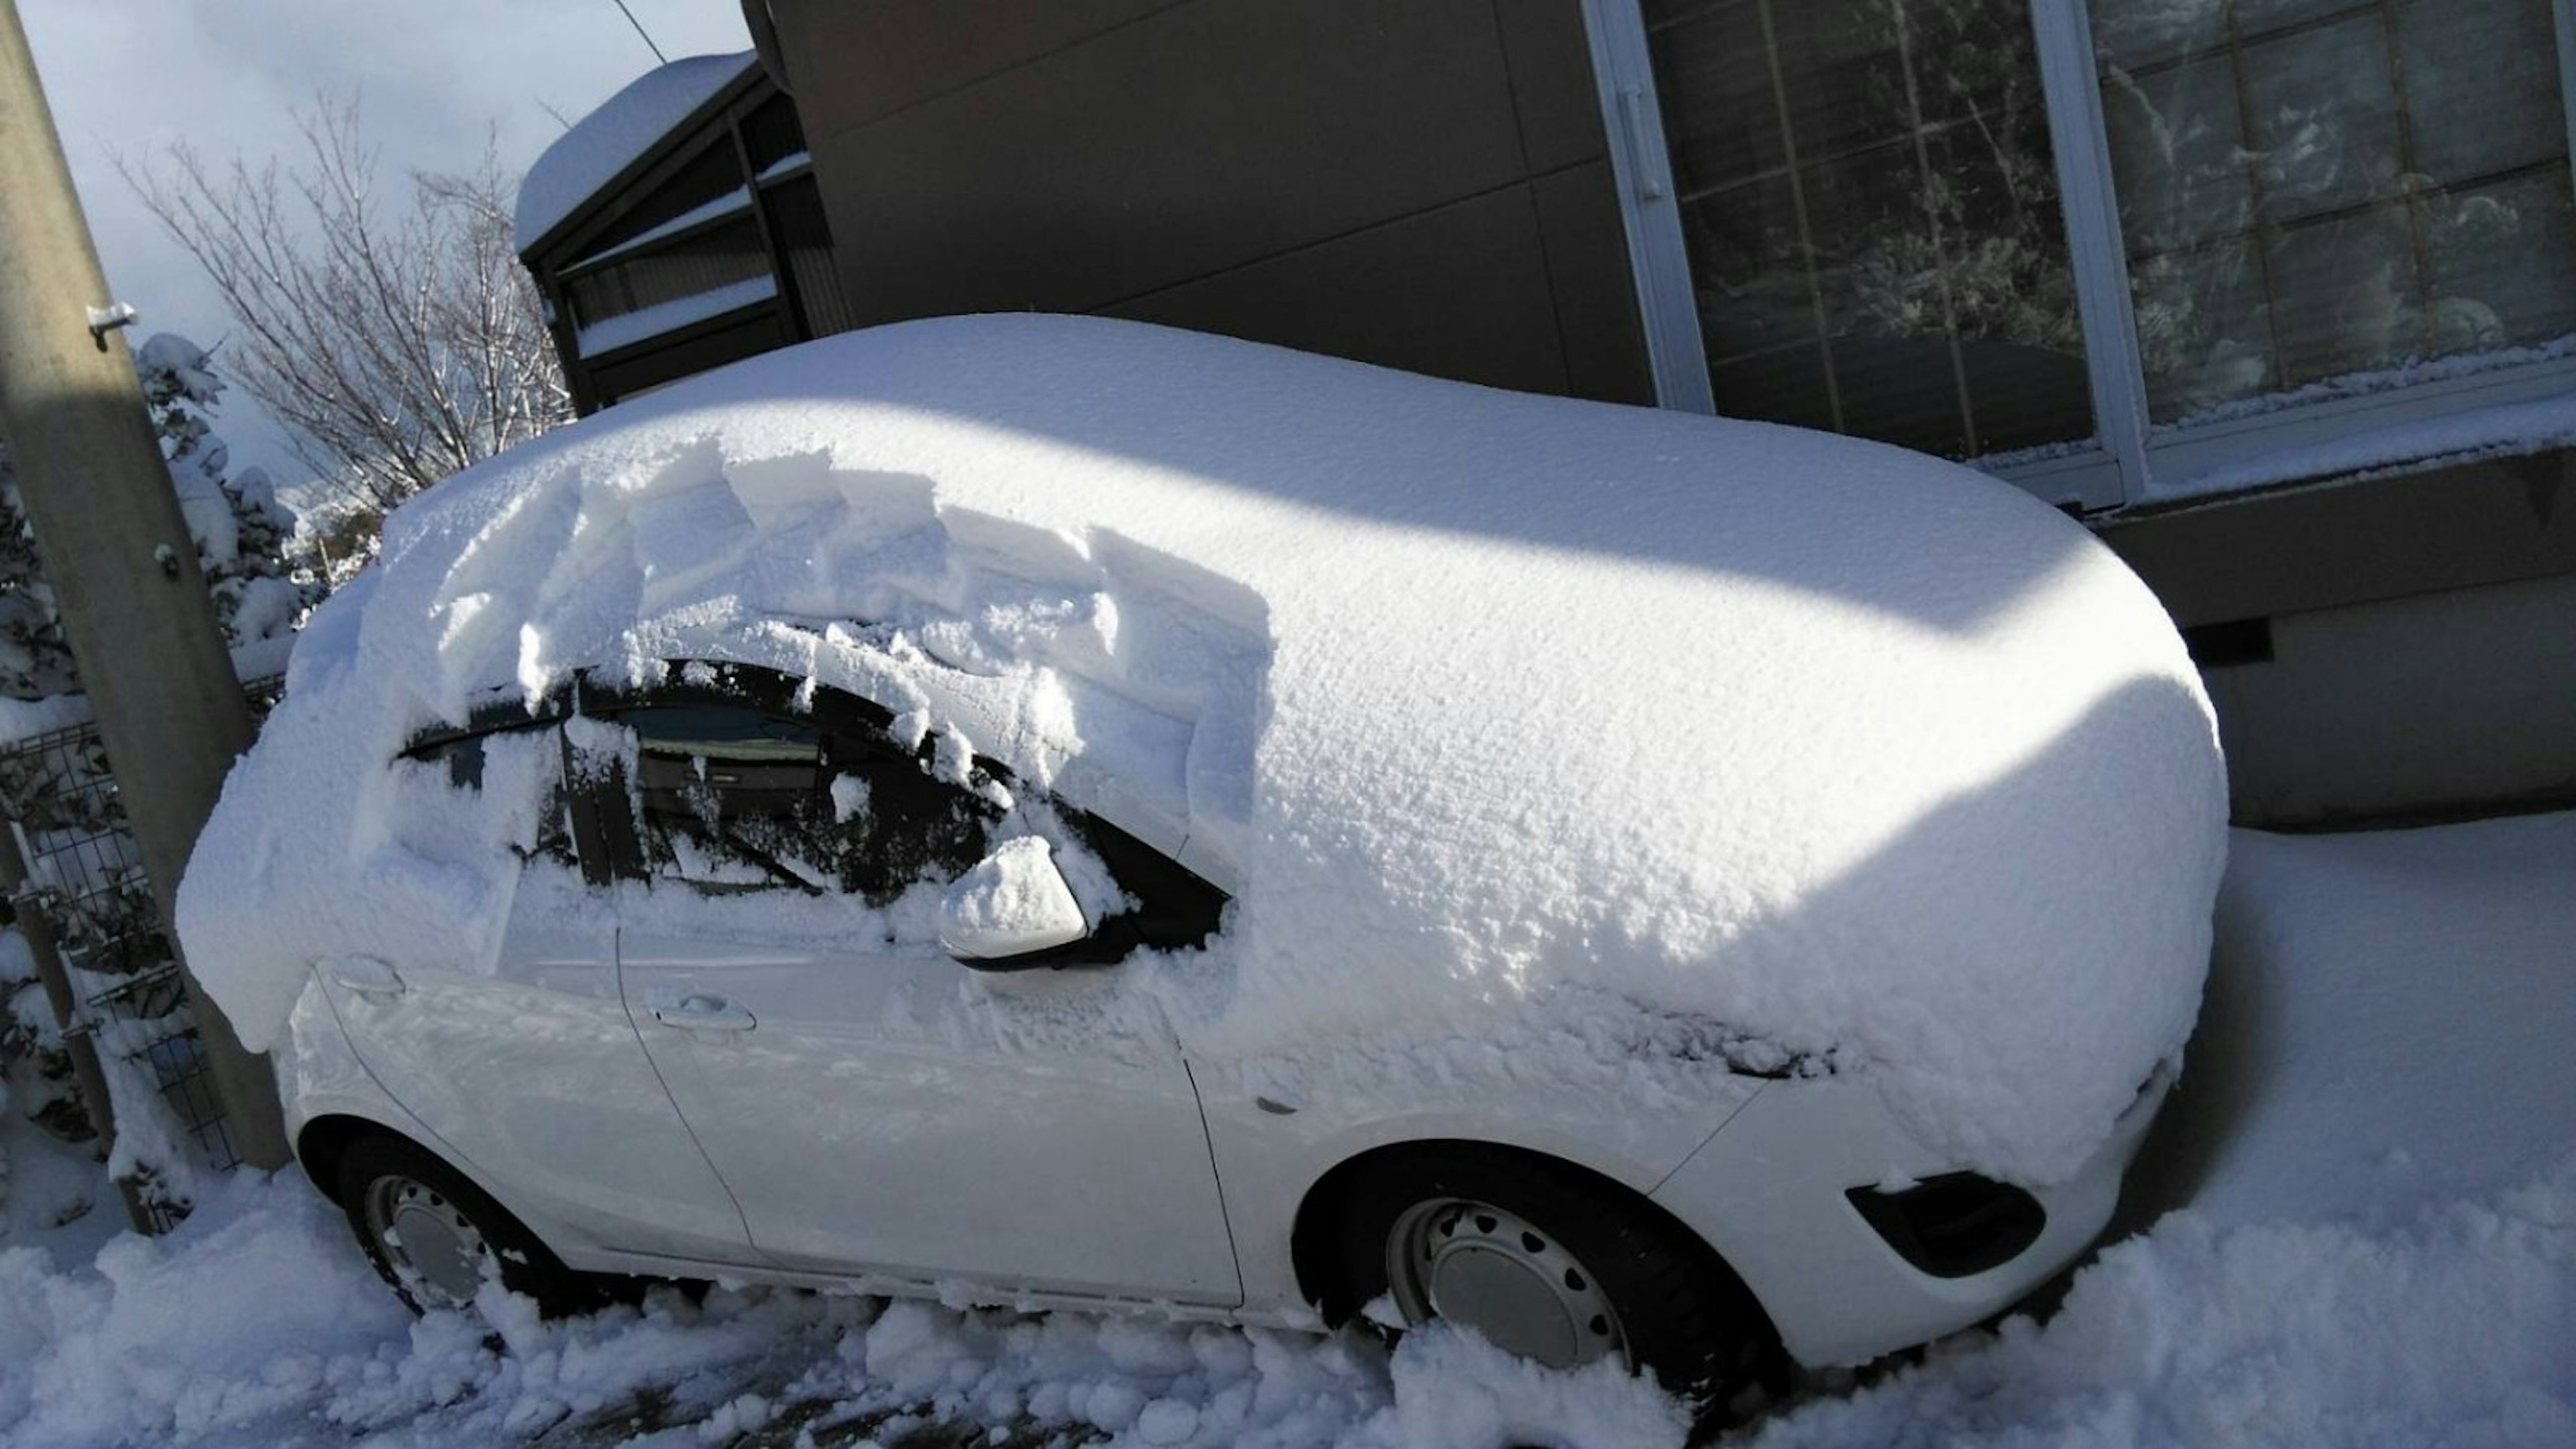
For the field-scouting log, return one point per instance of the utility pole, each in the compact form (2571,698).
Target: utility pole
(114,545)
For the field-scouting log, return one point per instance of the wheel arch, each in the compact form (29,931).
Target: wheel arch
(323,1142)
(1313,1241)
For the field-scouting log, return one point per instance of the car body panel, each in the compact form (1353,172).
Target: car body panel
(535,1077)
(1767,1192)
(890,1112)
(1270,1159)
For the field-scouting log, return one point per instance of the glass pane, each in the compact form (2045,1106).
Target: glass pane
(2311,189)
(2501,275)
(1871,210)
(2345,294)
(2204,330)
(732,799)
(2481,86)
(2178,150)
(2322,107)
(2143,34)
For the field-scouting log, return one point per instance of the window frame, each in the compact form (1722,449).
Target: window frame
(2130,462)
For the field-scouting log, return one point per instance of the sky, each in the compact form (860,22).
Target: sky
(132,76)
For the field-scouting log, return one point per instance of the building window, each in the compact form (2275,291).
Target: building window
(2108,247)
(2308,191)
(701,263)
(1870,206)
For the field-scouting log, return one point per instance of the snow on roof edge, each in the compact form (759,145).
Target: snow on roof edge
(601,145)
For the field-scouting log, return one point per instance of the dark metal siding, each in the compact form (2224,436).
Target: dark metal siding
(1420,183)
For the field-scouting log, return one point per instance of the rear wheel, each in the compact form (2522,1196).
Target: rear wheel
(436,1237)
(1547,1262)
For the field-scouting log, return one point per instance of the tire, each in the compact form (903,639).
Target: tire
(1550,1262)
(393,1190)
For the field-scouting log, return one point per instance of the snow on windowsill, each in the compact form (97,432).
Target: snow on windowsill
(786,166)
(2505,430)
(653,321)
(738,199)
(2366,384)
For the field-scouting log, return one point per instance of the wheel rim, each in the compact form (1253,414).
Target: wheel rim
(433,1247)
(1475,1264)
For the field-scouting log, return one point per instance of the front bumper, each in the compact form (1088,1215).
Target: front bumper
(1768,1192)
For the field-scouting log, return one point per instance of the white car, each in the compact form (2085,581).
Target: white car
(956,839)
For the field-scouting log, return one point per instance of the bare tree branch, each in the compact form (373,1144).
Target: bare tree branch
(394,349)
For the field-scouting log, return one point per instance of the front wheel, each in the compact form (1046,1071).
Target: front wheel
(436,1237)
(1550,1263)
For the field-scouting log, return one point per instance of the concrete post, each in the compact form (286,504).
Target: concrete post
(115,547)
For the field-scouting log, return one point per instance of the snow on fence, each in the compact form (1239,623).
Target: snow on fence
(84,893)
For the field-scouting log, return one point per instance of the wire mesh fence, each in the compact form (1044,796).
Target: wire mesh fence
(85,878)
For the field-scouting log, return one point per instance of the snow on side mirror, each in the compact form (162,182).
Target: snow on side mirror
(1012,906)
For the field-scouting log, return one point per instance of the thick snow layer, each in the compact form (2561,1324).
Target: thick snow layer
(2378,1248)
(625,126)
(1497,713)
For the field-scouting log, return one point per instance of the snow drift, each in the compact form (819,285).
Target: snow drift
(1498,714)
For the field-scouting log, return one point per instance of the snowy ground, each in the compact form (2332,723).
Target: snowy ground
(2364,1232)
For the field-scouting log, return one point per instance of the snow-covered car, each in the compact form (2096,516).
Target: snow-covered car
(1053,811)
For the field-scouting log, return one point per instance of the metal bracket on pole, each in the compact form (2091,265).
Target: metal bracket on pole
(103,320)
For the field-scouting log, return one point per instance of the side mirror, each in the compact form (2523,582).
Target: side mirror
(1011,907)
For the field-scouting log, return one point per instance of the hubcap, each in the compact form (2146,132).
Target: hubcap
(434,1248)
(1474,1264)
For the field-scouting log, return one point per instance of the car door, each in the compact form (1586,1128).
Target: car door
(875,1107)
(531,1071)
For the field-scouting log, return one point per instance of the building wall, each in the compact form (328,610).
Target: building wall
(2383,649)
(2442,705)
(1419,183)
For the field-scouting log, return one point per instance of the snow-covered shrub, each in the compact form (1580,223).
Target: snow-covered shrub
(240,529)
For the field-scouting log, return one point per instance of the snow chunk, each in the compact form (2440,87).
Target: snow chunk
(1502,717)
(625,126)
(849,799)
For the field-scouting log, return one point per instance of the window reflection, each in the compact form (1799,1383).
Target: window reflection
(1871,209)
(2314,188)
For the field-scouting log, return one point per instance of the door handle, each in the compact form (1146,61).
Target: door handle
(697,1012)
(364,975)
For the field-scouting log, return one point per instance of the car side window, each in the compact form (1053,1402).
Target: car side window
(727,798)
(905,824)
(462,756)
(733,798)
(744,779)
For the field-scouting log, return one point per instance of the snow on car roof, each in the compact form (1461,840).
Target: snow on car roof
(1506,719)
(603,143)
